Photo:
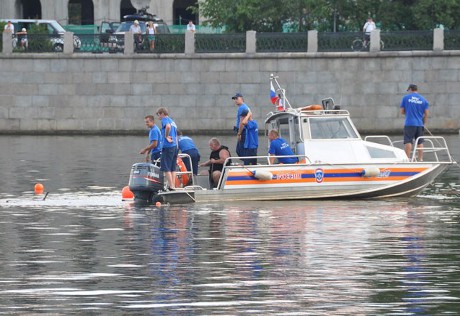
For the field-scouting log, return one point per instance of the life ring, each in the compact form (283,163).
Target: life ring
(312,107)
(182,180)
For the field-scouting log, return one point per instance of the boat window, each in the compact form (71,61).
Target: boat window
(284,131)
(380,153)
(331,128)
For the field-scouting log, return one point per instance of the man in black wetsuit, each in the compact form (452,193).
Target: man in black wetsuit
(219,154)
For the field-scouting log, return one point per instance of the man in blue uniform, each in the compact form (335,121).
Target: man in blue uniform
(169,151)
(279,147)
(415,108)
(187,146)
(154,147)
(249,138)
(242,107)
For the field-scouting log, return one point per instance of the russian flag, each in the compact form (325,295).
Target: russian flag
(275,98)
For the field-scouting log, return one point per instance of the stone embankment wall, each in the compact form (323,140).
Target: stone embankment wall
(111,93)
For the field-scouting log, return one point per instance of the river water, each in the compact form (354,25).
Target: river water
(84,251)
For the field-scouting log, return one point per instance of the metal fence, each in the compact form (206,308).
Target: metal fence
(93,44)
(407,40)
(235,43)
(102,43)
(337,41)
(37,43)
(220,43)
(282,42)
(452,40)
(169,43)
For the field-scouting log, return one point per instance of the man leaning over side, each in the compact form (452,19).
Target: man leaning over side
(154,148)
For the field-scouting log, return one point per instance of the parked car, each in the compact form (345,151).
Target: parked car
(106,31)
(143,17)
(55,31)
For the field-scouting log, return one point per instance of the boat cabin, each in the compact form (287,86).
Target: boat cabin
(326,134)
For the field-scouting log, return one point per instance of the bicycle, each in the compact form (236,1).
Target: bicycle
(359,45)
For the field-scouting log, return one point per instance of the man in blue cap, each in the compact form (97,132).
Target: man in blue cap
(242,107)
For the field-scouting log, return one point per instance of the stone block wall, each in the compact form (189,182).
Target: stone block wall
(106,93)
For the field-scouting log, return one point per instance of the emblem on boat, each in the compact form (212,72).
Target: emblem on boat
(319,175)
(384,173)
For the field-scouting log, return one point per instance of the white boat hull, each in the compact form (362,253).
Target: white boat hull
(303,182)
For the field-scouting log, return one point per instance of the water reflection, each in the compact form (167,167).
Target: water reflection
(84,251)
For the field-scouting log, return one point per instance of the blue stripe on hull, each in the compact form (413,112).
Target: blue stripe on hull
(328,175)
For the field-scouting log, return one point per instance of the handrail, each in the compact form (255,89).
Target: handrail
(301,159)
(326,42)
(323,112)
(441,142)
(379,136)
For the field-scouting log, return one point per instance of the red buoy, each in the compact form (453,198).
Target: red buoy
(126,193)
(39,188)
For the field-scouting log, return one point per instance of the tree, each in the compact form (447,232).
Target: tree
(429,14)
(328,15)
(244,15)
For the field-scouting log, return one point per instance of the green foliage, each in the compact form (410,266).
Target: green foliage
(328,15)
(2,26)
(429,14)
(39,39)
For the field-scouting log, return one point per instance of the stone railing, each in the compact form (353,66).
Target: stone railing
(253,42)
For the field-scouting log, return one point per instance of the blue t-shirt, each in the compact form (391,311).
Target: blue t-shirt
(242,108)
(414,105)
(251,140)
(173,132)
(279,147)
(186,143)
(155,134)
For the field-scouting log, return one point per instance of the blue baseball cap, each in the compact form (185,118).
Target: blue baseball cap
(237,95)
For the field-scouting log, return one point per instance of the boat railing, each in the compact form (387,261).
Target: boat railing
(323,112)
(434,149)
(304,111)
(375,138)
(264,160)
(435,145)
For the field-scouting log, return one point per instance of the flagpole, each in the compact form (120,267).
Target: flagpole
(281,92)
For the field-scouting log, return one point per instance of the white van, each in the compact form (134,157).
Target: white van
(55,31)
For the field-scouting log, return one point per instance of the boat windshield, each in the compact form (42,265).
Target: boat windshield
(331,128)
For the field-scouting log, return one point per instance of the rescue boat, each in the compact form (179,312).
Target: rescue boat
(335,162)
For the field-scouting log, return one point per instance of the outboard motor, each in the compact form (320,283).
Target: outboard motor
(145,180)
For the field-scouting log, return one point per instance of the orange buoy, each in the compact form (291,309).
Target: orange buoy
(181,181)
(39,188)
(126,193)
(158,204)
